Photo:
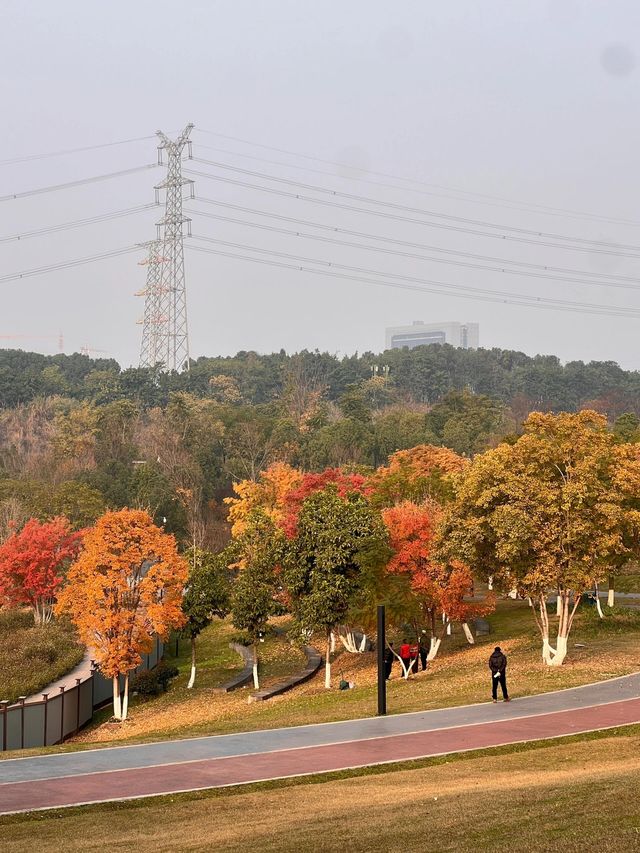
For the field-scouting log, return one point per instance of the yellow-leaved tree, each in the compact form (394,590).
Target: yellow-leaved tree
(267,495)
(548,514)
(125,587)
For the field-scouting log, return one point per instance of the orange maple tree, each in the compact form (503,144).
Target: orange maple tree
(442,590)
(32,561)
(125,587)
(417,474)
(267,494)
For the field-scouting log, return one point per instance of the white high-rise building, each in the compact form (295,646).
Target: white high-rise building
(465,335)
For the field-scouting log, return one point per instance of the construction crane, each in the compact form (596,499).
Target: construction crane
(60,339)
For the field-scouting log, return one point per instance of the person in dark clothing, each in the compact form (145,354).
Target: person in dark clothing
(388,661)
(414,650)
(424,651)
(404,655)
(498,667)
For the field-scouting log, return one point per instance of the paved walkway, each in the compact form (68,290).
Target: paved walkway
(117,773)
(82,670)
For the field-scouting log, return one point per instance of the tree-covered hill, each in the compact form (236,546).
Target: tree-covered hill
(422,375)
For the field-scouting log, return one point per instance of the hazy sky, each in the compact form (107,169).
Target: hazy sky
(534,101)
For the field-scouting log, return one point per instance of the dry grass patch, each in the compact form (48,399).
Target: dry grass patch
(574,797)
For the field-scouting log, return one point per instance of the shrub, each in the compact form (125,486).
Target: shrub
(15,620)
(42,652)
(151,682)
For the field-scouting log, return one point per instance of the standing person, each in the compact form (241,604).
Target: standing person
(424,651)
(498,667)
(388,661)
(404,655)
(414,649)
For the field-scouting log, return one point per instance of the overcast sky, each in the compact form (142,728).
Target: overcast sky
(534,102)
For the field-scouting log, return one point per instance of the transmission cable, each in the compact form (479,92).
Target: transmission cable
(420,211)
(78,223)
(81,182)
(469,293)
(61,153)
(68,264)
(476,197)
(397,218)
(413,255)
(410,244)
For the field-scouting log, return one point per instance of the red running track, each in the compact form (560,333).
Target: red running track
(243,769)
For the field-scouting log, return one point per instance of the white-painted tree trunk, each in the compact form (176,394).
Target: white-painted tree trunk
(125,698)
(256,682)
(490,582)
(448,629)
(117,708)
(558,605)
(599,607)
(611,595)
(192,677)
(434,647)
(327,663)
(333,642)
(468,634)
(560,652)
(363,643)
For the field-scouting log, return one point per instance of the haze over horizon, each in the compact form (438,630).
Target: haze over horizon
(532,104)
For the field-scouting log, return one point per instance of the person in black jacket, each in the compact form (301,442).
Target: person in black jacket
(498,667)
(388,661)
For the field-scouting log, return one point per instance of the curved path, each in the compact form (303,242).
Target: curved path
(125,772)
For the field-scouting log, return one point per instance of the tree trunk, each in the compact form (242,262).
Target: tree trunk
(327,662)
(192,677)
(256,682)
(125,699)
(598,605)
(434,647)
(490,582)
(117,710)
(611,597)
(558,605)
(468,634)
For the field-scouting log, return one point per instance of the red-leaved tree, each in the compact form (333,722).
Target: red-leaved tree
(32,561)
(344,483)
(442,591)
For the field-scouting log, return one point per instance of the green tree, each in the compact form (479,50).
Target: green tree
(254,591)
(322,566)
(208,594)
(546,514)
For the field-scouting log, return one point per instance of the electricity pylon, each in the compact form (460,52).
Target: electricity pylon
(165,332)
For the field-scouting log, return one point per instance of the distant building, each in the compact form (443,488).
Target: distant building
(464,335)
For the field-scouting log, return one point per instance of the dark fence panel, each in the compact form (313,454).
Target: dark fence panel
(58,716)
(14,727)
(34,725)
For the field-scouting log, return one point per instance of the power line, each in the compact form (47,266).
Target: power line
(549,276)
(410,244)
(68,264)
(464,292)
(507,238)
(61,153)
(476,197)
(420,211)
(70,184)
(78,223)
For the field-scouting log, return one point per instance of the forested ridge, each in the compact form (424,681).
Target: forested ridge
(79,435)
(421,375)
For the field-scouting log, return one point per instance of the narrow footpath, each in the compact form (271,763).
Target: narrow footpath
(165,767)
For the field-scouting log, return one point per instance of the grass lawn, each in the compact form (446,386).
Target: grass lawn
(572,795)
(604,649)
(32,656)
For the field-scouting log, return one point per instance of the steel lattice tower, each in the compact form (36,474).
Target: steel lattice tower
(165,334)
